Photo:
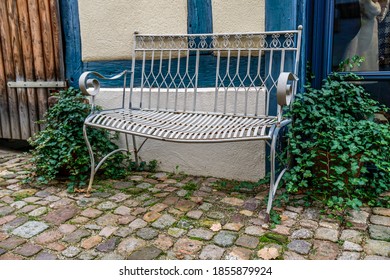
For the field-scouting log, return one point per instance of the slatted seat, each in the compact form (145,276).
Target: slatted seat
(253,78)
(185,127)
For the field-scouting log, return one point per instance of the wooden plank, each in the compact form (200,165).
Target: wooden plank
(28,60)
(199,16)
(72,41)
(37,47)
(9,70)
(47,39)
(57,40)
(13,20)
(5,131)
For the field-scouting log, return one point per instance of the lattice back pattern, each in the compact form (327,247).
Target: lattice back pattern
(223,73)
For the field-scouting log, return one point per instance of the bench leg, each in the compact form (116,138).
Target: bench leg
(135,149)
(94,168)
(274,182)
(92,158)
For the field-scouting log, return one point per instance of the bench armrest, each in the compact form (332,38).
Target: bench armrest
(285,91)
(91,86)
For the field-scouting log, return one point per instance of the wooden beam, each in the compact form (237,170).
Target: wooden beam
(199,17)
(57,40)
(5,128)
(9,71)
(47,39)
(19,69)
(72,41)
(37,46)
(28,60)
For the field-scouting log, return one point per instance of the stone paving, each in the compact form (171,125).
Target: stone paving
(157,216)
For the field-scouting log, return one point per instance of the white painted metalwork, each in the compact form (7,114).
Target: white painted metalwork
(248,71)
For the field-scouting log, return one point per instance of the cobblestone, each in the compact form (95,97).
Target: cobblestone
(164,222)
(324,250)
(302,234)
(211,252)
(225,238)
(30,229)
(352,235)
(327,234)
(299,246)
(147,253)
(247,241)
(202,234)
(49,223)
(379,232)
(147,233)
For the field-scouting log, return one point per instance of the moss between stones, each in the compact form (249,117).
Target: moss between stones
(270,237)
(133,191)
(190,186)
(207,223)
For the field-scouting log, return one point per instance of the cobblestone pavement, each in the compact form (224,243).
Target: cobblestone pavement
(162,216)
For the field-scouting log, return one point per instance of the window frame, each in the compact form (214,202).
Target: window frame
(322,47)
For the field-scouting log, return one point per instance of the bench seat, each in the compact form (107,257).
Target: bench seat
(185,126)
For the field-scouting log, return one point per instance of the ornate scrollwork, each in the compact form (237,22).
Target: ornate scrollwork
(89,86)
(289,41)
(265,40)
(275,43)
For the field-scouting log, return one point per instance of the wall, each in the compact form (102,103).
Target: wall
(107,27)
(238,15)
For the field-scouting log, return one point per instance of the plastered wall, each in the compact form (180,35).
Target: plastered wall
(107,27)
(238,15)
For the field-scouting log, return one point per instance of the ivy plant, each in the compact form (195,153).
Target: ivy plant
(60,149)
(341,156)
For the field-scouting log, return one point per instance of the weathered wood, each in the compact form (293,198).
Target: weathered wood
(37,46)
(47,39)
(57,40)
(28,60)
(199,16)
(19,68)
(9,71)
(30,51)
(72,40)
(5,131)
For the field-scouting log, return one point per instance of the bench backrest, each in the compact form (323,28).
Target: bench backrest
(223,73)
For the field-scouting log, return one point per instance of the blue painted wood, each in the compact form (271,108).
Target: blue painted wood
(199,16)
(72,41)
(303,8)
(281,15)
(206,78)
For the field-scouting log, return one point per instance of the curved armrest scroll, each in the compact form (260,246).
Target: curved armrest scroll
(285,91)
(85,83)
(91,86)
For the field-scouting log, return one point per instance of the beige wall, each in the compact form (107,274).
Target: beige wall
(107,27)
(238,15)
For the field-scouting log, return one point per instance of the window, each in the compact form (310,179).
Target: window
(362,27)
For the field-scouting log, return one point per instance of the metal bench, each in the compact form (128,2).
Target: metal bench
(253,76)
